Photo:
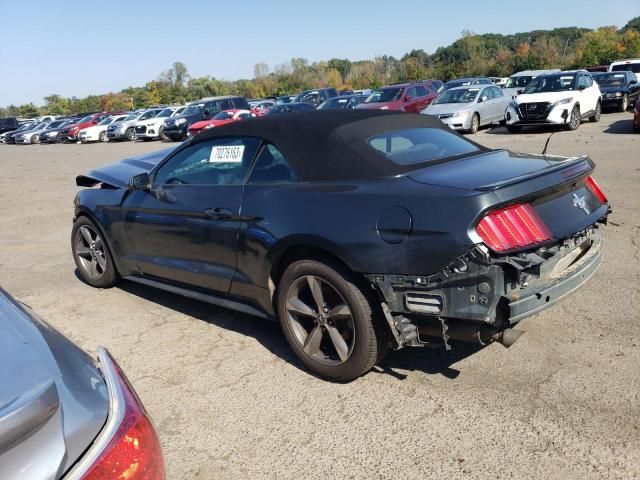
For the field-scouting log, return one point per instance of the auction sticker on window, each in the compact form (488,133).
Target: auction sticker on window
(227,154)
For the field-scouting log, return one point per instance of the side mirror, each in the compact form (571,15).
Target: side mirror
(140,182)
(206,112)
(519,91)
(94,122)
(633,82)
(408,98)
(581,87)
(482,99)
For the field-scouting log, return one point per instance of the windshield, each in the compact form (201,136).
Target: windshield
(26,126)
(57,123)
(222,116)
(86,119)
(191,110)
(417,145)
(335,102)
(631,67)
(463,95)
(165,113)
(106,121)
(384,95)
(518,82)
(610,79)
(133,116)
(149,114)
(41,126)
(551,83)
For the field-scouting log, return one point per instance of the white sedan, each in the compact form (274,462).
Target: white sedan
(98,133)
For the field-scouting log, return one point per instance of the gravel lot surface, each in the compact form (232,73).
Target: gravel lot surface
(231,402)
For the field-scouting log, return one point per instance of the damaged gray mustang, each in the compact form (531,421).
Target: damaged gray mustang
(359,231)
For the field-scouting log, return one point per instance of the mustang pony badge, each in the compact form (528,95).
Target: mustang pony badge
(581,203)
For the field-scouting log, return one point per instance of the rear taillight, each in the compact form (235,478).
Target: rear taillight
(512,227)
(596,190)
(128,447)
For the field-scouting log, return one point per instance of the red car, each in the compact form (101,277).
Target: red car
(636,117)
(260,108)
(408,97)
(70,132)
(221,118)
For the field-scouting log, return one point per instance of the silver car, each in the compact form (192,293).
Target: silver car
(32,135)
(126,130)
(468,108)
(63,415)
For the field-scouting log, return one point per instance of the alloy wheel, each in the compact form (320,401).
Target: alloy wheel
(625,103)
(575,118)
(90,252)
(320,320)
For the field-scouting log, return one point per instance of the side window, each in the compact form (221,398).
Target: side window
(271,167)
(220,161)
(486,92)
(411,93)
(497,92)
(588,80)
(420,91)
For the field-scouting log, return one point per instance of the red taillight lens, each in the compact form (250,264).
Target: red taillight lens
(512,227)
(596,190)
(134,452)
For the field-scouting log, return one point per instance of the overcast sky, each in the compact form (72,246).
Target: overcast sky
(89,47)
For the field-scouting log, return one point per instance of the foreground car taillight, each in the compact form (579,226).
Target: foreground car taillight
(513,227)
(596,190)
(128,447)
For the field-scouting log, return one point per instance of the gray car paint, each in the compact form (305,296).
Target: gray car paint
(53,399)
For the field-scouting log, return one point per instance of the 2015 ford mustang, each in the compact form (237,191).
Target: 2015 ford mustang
(357,230)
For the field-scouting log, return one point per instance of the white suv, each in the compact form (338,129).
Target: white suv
(152,127)
(563,98)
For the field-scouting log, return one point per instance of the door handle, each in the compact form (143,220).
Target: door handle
(218,213)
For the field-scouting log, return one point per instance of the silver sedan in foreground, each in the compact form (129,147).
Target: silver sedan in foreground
(468,108)
(63,415)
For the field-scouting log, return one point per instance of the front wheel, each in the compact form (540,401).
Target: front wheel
(102,137)
(131,134)
(162,135)
(327,320)
(35,138)
(475,123)
(597,113)
(574,119)
(91,255)
(624,103)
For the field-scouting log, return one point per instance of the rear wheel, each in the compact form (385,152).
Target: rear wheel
(597,113)
(328,321)
(91,255)
(514,128)
(574,119)
(624,103)
(475,123)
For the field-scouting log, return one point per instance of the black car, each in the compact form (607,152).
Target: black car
(317,96)
(50,135)
(342,102)
(290,107)
(8,124)
(176,128)
(619,89)
(356,229)
(8,137)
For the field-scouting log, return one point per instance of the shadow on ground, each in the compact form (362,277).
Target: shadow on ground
(620,127)
(432,359)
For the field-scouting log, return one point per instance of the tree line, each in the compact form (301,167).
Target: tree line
(471,55)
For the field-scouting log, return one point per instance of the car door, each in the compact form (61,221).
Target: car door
(185,227)
(588,93)
(422,97)
(410,100)
(502,102)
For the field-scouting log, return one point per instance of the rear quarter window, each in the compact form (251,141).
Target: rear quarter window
(418,145)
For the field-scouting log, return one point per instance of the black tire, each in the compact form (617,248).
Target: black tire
(162,136)
(514,128)
(87,252)
(624,103)
(597,114)
(574,119)
(366,335)
(130,134)
(60,139)
(102,137)
(475,123)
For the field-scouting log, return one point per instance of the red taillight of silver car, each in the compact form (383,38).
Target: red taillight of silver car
(512,227)
(128,447)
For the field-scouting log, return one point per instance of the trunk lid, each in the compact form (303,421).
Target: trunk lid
(554,186)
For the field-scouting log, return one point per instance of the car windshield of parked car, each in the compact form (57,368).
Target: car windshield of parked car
(57,123)
(463,95)
(86,119)
(192,110)
(106,121)
(611,79)
(384,95)
(148,115)
(518,82)
(551,83)
(166,112)
(630,67)
(41,126)
(335,102)
(222,116)
(418,145)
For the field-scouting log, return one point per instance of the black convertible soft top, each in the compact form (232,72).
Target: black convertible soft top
(331,144)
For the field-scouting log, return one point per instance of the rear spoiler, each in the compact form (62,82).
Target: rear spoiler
(571,167)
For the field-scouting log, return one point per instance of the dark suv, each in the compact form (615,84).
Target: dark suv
(8,124)
(317,96)
(176,128)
